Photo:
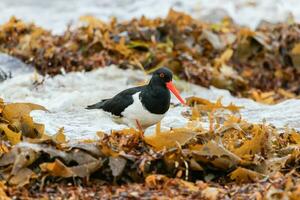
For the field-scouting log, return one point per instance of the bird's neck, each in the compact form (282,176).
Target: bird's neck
(157,87)
(156,98)
(156,90)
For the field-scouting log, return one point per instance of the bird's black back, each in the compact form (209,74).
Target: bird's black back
(118,103)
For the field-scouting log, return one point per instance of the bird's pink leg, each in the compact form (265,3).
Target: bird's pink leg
(139,127)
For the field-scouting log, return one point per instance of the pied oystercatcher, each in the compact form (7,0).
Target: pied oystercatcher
(142,106)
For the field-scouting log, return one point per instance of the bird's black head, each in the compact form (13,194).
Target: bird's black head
(161,80)
(162,76)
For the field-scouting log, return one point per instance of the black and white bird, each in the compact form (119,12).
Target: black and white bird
(142,106)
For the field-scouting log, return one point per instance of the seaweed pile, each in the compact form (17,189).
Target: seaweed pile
(261,64)
(230,159)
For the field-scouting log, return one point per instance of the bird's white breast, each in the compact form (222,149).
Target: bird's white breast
(136,111)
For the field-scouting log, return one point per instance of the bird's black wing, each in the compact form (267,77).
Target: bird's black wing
(118,103)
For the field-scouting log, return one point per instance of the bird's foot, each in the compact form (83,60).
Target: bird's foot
(157,128)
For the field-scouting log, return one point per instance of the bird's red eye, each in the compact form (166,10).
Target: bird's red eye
(162,75)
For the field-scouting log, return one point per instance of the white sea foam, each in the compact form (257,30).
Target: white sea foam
(67,95)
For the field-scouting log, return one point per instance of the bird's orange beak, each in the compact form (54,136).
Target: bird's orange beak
(173,89)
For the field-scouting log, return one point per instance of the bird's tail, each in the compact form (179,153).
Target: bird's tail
(98,105)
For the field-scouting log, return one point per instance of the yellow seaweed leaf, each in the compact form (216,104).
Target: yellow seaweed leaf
(295,193)
(243,175)
(30,128)
(23,158)
(295,55)
(196,115)
(179,18)
(172,138)
(22,177)
(263,97)
(60,137)
(206,105)
(273,165)
(12,136)
(15,111)
(122,48)
(3,148)
(197,100)
(19,115)
(215,154)
(188,185)
(225,57)
(154,180)
(286,93)
(3,195)
(57,168)
(93,22)
(295,137)
(1,105)
(258,144)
